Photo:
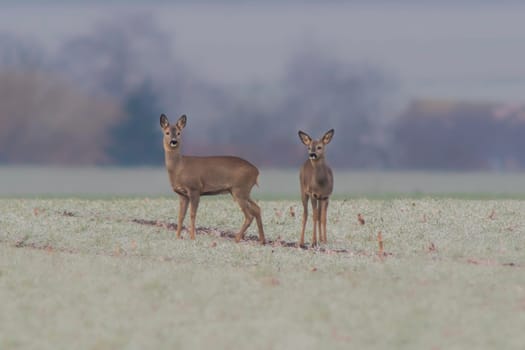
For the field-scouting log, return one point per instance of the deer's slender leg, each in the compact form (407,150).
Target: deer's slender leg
(319,216)
(316,219)
(248,218)
(251,210)
(242,201)
(183,207)
(256,212)
(194,204)
(324,210)
(304,198)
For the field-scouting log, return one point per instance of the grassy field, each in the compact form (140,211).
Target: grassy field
(109,274)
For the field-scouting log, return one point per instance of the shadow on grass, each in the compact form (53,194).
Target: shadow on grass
(211,231)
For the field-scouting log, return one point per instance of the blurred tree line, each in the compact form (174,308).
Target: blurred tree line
(97,100)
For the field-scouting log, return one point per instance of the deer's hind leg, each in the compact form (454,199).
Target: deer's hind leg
(256,212)
(251,211)
(248,218)
(243,203)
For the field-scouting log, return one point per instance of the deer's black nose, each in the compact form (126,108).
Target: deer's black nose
(312,156)
(173,143)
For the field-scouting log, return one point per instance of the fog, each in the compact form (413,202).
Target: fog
(250,75)
(433,46)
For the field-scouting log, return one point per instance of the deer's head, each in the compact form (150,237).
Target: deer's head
(316,148)
(172,133)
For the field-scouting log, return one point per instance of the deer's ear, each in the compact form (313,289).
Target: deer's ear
(181,123)
(327,137)
(164,123)
(305,138)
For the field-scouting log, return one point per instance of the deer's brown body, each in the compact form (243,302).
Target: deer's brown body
(317,182)
(193,177)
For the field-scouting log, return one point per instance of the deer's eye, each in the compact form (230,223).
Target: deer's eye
(319,148)
(178,133)
(168,133)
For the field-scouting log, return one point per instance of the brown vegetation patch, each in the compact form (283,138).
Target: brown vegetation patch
(490,262)
(22,243)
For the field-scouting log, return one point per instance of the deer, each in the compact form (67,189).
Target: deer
(192,177)
(317,182)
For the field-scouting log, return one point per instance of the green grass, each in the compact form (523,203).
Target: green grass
(80,273)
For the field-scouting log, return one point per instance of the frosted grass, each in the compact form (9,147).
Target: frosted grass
(81,274)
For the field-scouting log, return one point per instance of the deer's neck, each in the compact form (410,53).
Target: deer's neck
(173,159)
(320,170)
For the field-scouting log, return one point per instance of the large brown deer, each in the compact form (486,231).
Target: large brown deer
(193,177)
(317,182)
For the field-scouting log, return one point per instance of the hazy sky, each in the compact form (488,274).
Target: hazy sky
(445,51)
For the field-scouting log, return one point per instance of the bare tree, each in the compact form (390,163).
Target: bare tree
(460,136)
(45,120)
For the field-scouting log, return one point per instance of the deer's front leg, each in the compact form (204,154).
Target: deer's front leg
(322,226)
(183,207)
(194,204)
(315,213)
(304,199)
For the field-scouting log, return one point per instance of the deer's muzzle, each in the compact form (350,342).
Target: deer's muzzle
(173,143)
(312,156)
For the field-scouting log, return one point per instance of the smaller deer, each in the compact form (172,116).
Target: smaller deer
(193,177)
(317,182)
